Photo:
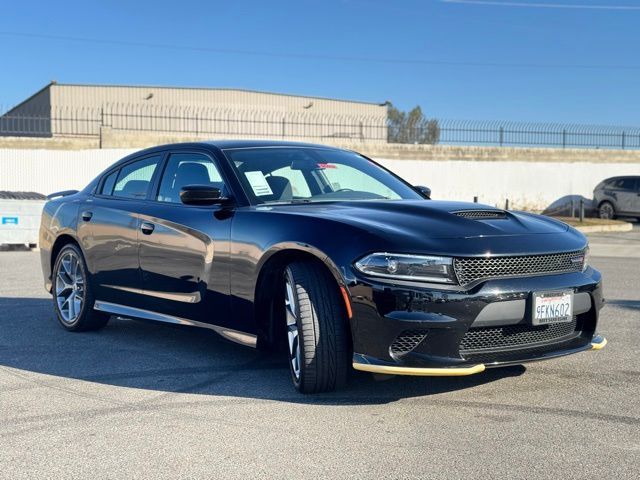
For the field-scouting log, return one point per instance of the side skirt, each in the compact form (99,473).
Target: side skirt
(242,338)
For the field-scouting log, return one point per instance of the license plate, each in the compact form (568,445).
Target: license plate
(552,307)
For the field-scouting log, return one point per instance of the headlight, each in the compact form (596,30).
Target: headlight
(585,263)
(408,267)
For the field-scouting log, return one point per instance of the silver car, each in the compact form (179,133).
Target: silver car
(618,197)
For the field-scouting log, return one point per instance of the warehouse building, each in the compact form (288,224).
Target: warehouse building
(64,110)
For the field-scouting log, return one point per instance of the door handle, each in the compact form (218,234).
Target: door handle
(147,228)
(86,216)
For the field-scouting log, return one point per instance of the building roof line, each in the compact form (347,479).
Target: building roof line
(246,90)
(29,98)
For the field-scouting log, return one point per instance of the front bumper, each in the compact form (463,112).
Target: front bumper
(413,329)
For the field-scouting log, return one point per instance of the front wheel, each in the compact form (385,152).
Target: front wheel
(606,211)
(316,328)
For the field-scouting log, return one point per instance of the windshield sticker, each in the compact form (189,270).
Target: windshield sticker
(258,183)
(327,165)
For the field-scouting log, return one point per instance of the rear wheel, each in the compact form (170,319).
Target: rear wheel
(606,211)
(72,295)
(316,329)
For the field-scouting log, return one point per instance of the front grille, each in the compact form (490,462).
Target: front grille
(525,353)
(469,270)
(486,338)
(407,341)
(480,214)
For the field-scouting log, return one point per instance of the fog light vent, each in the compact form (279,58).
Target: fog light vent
(407,341)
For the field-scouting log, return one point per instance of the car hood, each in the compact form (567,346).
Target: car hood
(429,219)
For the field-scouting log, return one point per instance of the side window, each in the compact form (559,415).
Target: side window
(188,169)
(135,178)
(109,183)
(626,184)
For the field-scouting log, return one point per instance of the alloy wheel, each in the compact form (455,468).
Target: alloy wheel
(606,211)
(292,327)
(69,287)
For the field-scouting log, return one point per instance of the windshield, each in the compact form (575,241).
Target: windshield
(291,175)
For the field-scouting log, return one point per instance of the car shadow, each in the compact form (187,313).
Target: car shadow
(627,304)
(168,358)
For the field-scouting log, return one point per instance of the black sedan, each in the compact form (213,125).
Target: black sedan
(322,253)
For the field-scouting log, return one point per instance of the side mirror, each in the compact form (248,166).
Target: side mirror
(201,195)
(424,191)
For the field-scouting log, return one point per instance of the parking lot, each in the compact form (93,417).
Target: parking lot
(181,402)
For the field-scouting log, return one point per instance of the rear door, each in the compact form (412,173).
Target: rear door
(109,226)
(626,194)
(636,202)
(184,249)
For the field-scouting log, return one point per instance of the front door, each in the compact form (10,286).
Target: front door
(184,249)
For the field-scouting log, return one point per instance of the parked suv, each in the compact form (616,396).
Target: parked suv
(618,196)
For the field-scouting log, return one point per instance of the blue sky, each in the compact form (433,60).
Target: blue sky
(538,60)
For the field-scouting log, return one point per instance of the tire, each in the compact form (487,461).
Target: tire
(317,334)
(606,211)
(73,298)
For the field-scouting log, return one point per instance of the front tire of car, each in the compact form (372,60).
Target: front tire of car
(73,298)
(606,211)
(316,329)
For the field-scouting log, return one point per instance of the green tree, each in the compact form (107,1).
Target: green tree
(411,127)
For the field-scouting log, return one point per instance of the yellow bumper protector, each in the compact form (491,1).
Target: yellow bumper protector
(423,372)
(598,343)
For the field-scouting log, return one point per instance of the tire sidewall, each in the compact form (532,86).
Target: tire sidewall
(297,382)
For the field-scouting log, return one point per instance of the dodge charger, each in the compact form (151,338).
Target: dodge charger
(321,254)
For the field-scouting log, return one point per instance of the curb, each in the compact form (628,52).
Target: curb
(621,227)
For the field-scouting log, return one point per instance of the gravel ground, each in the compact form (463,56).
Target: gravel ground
(140,400)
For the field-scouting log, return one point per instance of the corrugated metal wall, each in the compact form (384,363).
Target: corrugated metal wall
(83,110)
(98,96)
(31,118)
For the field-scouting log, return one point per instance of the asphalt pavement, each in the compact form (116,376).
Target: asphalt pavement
(142,400)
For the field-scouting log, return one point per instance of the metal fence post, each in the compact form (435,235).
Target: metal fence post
(100,127)
(564,138)
(475,199)
(506,204)
(623,139)
(501,136)
(581,210)
(573,208)
(283,126)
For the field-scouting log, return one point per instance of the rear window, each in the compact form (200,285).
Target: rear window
(134,179)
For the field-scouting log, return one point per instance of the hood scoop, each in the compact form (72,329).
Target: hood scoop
(481,214)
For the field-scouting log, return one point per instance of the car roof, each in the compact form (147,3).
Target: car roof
(621,176)
(222,145)
(229,144)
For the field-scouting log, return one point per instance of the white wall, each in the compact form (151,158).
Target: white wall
(530,184)
(48,171)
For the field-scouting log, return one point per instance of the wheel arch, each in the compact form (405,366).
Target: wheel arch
(269,269)
(59,243)
(607,200)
